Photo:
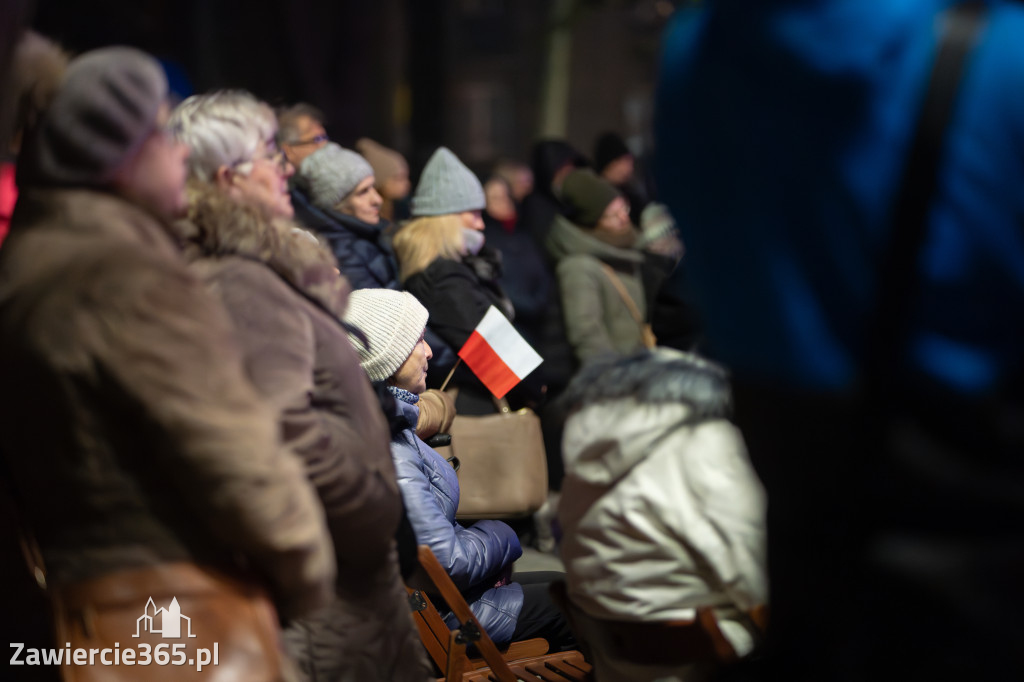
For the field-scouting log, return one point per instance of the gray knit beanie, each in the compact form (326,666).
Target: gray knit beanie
(105,109)
(393,322)
(447,186)
(332,172)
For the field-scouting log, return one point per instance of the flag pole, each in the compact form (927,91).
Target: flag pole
(449,377)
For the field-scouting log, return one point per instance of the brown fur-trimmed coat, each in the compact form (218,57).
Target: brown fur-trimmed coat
(285,297)
(126,419)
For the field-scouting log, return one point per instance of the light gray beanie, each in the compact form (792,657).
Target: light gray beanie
(393,322)
(332,172)
(103,111)
(447,186)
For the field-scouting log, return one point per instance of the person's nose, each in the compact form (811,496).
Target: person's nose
(426,347)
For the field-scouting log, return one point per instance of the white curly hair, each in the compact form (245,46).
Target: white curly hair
(223,128)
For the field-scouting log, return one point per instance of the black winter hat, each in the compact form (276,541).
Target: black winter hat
(607,148)
(587,196)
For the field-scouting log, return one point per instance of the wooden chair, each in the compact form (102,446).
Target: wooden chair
(666,643)
(527,660)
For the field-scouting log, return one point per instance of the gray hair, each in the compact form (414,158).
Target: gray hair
(223,128)
(288,121)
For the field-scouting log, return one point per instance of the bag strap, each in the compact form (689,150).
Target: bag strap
(26,538)
(626,298)
(888,330)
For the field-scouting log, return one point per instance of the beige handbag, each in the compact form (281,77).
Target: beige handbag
(646,332)
(503,470)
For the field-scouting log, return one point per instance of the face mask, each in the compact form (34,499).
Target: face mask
(474,240)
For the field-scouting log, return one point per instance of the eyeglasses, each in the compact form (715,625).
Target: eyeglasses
(276,157)
(316,139)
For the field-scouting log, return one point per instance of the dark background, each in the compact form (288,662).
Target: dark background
(412,74)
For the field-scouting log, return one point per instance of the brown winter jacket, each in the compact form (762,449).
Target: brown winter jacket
(126,418)
(286,299)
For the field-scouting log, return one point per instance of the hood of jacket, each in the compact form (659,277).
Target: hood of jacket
(566,239)
(622,408)
(546,158)
(217,226)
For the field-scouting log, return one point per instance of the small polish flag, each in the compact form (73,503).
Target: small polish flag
(497,354)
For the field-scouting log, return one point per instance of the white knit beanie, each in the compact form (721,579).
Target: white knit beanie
(447,186)
(332,172)
(393,322)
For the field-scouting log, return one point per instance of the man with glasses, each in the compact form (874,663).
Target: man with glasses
(300,132)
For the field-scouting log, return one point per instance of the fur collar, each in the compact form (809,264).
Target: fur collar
(218,226)
(655,377)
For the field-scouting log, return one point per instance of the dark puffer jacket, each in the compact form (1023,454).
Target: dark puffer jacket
(363,251)
(457,294)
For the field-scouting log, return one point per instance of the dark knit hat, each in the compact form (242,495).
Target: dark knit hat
(103,111)
(607,148)
(587,196)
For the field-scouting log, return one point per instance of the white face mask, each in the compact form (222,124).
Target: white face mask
(473,239)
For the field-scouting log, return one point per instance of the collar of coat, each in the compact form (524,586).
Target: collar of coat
(218,227)
(661,376)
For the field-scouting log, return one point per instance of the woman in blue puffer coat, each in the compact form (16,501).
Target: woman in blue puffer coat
(479,558)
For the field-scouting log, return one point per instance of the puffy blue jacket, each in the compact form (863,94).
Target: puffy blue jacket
(474,557)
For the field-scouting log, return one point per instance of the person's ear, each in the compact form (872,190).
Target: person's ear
(224,177)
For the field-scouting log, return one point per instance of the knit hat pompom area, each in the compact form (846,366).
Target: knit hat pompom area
(103,111)
(332,172)
(393,322)
(387,163)
(587,196)
(447,186)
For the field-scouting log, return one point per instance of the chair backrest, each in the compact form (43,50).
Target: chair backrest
(522,660)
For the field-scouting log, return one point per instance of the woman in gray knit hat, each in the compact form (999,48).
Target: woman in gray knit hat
(445,264)
(510,606)
(340,184)
(286,298)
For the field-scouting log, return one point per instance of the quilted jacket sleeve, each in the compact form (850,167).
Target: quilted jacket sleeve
(470,555)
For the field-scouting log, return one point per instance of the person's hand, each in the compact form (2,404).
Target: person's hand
(437,410)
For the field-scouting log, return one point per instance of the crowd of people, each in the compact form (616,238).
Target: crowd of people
(229,349)
(228,343)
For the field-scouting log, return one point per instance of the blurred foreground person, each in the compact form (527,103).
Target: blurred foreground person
(285,296)
(146,464)
(888,436)
(661,510)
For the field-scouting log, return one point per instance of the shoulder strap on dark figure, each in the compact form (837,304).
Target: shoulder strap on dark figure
(887,331)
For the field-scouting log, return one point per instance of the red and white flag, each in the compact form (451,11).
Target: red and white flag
(497,354)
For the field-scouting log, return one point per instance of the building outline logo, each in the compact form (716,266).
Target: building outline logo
(170,620)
